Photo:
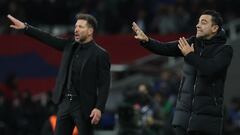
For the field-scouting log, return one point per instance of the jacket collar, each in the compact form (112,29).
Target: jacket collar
(84,45)
(219,39)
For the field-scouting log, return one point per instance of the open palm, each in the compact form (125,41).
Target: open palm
(16,24)
(140,35)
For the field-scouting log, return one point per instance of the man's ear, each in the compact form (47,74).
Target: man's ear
(90,31)
(215,28)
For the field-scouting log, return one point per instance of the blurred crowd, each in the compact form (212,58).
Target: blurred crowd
(146,109)
(116,16)
(22,113)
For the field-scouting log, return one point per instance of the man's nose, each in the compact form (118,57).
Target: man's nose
(197,26)
(76,30)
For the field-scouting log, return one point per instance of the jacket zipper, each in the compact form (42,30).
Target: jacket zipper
(194,86)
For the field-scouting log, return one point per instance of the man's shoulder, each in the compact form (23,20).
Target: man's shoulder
(100,49)
(224,48)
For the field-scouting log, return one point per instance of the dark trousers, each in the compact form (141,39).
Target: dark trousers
(180,131)
(198,133)
(65,124)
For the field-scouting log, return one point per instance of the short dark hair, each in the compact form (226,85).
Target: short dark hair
(216,17)
(91,20)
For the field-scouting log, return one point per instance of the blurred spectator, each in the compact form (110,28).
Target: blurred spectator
(232,125)
(163,108)
(140,100)
(141,19)
(50,125)
(167,83)
(4,115)
(10,86)
(165,21)
(162,17)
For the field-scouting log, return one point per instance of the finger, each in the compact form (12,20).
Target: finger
(180,42)
(91,115)
(13,26)
(185,41)
(96,115)
(192,46)
(93,118)
(139,34)
(137,37)
(134,29)
(180,47)
(11,18)
(183,47)
(96,121)
(92,121)
(135,25)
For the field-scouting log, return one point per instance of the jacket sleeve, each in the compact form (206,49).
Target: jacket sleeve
(103,80)
(210,66)
(162,48)
(46,38)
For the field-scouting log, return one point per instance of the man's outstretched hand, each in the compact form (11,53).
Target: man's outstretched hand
(16,24)
(140,35)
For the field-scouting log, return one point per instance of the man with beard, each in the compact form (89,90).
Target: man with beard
(199,107)
(83,81)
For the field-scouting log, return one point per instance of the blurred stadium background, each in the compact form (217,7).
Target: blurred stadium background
(144,85)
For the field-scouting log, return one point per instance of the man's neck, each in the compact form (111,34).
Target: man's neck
(210,36)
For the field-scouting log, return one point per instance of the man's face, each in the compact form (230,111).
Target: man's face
(82,31)
(205,27)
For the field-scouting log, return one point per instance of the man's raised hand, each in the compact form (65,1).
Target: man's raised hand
(140,35)
(16,24)
(184,46)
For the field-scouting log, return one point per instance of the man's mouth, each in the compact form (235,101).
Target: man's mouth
(199,31)
(76,36)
